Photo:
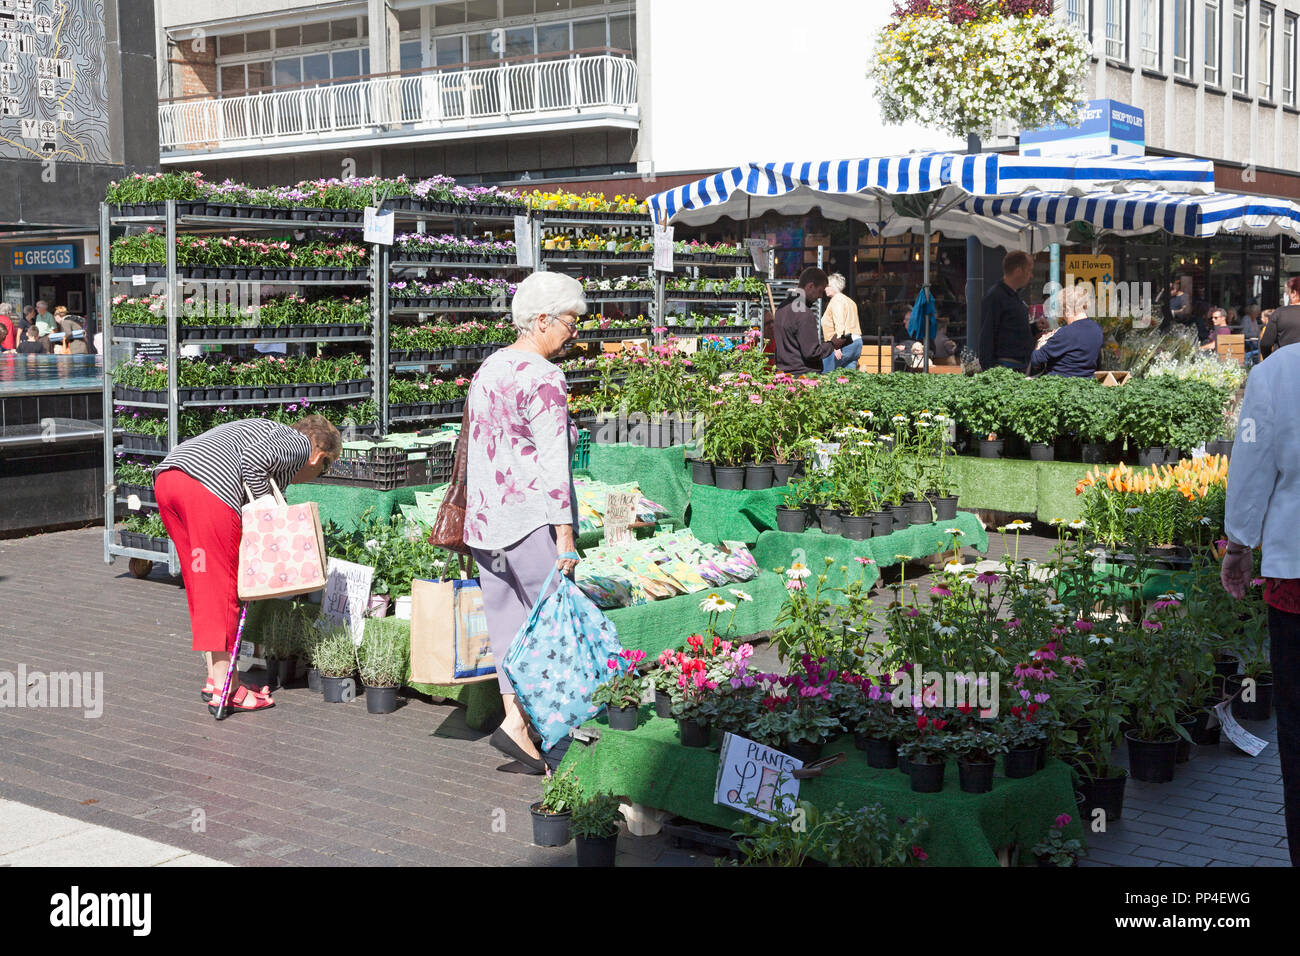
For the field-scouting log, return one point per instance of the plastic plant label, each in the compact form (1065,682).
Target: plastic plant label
(663,239)
(1238,734)
(523,241)
(378,226)
(138,278)
(749,771)
(133,502)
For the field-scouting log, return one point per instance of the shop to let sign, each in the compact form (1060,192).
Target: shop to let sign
(62,255)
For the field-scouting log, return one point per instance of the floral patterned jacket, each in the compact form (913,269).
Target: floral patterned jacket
(518,475)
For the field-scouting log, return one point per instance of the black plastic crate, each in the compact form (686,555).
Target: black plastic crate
(380,468)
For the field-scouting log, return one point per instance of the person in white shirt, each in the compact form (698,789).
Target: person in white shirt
(1263,510)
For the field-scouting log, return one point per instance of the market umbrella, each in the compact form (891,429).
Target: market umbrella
(1132,214)
(920,193)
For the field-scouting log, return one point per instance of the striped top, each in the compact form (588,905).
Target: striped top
(224,458)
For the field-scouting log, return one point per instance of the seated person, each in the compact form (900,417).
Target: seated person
(1073,348)
(945,349)
(839,320)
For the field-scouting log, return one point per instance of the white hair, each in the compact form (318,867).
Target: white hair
(1076,301)
(546,293)
(836,282)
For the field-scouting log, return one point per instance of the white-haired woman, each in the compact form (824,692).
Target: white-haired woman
(1073,349)
(840,322)
(520,505)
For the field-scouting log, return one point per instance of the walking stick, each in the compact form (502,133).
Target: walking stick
(220,712)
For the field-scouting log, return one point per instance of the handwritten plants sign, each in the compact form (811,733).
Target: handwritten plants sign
(754,779)
(347,594)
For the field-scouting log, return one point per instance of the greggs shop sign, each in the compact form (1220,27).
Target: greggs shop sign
(61,255)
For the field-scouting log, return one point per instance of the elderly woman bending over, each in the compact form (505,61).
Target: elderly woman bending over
(521,509)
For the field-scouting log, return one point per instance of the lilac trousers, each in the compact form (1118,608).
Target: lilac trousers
(511,579)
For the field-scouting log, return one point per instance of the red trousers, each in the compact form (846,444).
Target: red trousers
(206,533)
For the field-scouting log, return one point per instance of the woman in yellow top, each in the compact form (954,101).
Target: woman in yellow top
(841,319)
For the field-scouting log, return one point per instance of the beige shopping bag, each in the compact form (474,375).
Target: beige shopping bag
(281,548)
(449,635)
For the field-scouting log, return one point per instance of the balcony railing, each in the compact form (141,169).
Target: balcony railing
(574,88)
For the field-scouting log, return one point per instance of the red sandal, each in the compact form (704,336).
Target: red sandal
(240,700)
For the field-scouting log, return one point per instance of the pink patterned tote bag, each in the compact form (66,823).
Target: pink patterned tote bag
(282,549)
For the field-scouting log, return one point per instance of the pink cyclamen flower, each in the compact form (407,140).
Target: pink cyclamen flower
(1063,821)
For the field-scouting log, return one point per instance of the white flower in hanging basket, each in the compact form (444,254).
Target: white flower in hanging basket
(1028,70)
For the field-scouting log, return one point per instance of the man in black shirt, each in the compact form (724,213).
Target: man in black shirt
(795,334)
(1006,335)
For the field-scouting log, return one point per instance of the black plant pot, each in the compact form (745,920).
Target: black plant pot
(882,523)
(790,519)
(904,766)
(857,527)
(1258,709)
(622,718)
(313,680)
(549,829)
(381,700)
(802,751)
(919,512)
(758,477)
(288,671)
(831,522)
(945,509)
(902,515)
(1226,665)
(1203,735)
(596,851)
(1094,453)
(273,672)
(1151,761)
(1105,793)
(1020,763)
(693,733)
(1041,451)
(882,754)
(976,777)
(1154,455)
(926,777)
(663,705)
(782,472)
(729,478)
(992,448)
(338,690)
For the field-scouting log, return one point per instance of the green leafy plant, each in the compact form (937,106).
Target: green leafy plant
(1055,848)
(384,652)
(335,653)
(561,793)
(596,817)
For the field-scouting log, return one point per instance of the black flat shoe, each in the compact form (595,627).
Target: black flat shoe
(515,766)
(503,742)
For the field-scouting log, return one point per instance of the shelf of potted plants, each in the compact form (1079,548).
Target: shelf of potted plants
(207,272)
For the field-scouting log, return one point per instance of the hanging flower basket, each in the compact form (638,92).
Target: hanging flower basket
(964,66)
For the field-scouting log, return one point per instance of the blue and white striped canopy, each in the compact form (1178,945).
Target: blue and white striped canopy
(861,188)
(1198,217)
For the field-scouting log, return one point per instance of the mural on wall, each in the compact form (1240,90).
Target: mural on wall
(53,95)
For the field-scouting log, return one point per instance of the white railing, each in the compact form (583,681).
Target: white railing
(444,100)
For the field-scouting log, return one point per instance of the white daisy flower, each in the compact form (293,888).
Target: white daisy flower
(955,531)
(1019,525)
(715,603)
(740,594)
(1078,524)
(798,571)
(953,567)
